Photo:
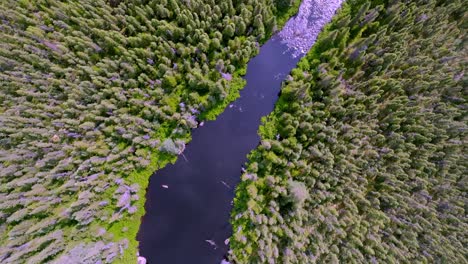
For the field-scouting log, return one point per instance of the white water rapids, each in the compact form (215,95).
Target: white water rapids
(301,31)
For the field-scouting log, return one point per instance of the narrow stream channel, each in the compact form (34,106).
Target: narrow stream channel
(195,208)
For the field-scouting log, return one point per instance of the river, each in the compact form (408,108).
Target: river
(188,203)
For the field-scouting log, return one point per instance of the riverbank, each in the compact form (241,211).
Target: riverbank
(191,200)
(362,159)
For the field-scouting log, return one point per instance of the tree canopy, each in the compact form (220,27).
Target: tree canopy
(363,159)
(91,91)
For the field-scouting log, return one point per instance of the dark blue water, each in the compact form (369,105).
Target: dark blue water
(196,206)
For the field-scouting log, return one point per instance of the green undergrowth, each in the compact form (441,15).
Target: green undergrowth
(237,84)
(132,222)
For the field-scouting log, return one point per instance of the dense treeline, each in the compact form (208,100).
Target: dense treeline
(364,157)
(90,90)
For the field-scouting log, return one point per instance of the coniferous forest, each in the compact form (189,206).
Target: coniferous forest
(362,161)
(95,96)
(364,158)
